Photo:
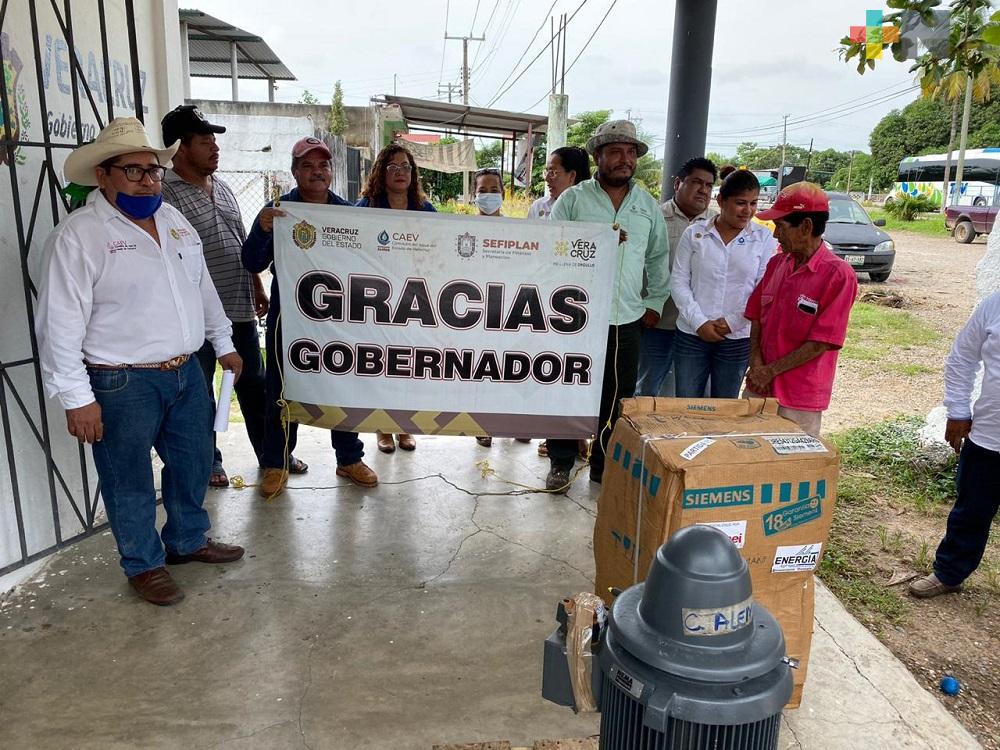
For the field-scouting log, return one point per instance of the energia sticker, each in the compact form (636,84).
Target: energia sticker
(796,558)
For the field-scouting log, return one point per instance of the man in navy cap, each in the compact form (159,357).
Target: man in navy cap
(208,203)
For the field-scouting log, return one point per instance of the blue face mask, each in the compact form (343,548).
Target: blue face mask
(138,206)
(489,203)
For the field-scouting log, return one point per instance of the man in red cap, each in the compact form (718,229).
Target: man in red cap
(800,310)
(313,173)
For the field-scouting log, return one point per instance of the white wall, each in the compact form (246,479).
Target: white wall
(159,62)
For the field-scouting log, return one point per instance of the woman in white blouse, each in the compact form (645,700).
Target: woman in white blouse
(717,265)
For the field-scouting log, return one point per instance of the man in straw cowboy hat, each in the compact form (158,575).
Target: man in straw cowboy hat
(124,300)
(613,197)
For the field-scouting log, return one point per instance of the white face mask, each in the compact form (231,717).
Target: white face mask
(489,203)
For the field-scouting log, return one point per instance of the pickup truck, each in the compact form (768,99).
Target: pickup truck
(965,222)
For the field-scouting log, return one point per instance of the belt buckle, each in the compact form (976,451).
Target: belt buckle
(173,363)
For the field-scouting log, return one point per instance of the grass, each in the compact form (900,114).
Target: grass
(874,330)
(910,370)
(882,467)
(931,225)
(515,207)
(888,460)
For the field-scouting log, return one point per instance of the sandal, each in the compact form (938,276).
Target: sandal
(218,478)
(297,466)
(543,448)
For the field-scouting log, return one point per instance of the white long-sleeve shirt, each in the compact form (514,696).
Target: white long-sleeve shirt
(712,280)
(978,342)
(108,294)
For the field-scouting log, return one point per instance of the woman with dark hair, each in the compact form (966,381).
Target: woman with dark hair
(394,182)
(567,166)
(718,264)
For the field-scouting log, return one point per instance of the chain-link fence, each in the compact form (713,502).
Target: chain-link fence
(254,189)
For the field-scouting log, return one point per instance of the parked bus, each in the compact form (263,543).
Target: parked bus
(924,175)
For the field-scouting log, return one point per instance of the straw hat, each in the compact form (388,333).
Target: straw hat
(616,131)
(123,135)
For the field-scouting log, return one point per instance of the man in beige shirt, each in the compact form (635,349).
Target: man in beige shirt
(692,196)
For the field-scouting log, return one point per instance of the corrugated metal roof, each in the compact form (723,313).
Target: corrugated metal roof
(209,52)
(433,114)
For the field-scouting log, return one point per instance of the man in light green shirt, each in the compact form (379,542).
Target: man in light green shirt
(615,198)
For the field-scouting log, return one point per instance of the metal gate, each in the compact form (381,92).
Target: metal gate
(55,488)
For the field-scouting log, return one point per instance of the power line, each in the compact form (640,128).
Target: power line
(525,53)
(510,16)
(472,26)
(779,125)
(584,49)
(488,22)
(540,53)
(444,44)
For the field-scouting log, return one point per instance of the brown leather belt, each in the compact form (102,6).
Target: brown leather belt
(174,363)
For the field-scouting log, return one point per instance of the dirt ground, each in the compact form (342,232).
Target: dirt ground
(953,634)
(936,275)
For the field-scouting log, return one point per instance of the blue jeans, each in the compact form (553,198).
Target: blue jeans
(168,411)
(655,360)
(277,445)
(695,360)
(250,388)
(978,483)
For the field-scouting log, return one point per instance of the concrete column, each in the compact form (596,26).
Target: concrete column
(185,60)
(234,71)
(270,90)
(690,86)
(555,134)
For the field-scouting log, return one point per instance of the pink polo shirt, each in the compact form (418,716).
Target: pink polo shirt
(793,306)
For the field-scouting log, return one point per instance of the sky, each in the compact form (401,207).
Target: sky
(771,58)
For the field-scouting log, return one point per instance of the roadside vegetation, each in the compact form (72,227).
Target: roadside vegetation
(930,224)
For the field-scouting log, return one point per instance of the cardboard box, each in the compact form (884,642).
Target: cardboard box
(731,463)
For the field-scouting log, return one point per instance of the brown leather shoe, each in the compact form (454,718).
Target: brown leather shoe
(484,440)
(386,442)
(930,586)
(543,448)
(156,587)
(406,441)
(209,552)
(272,483)
(359,473)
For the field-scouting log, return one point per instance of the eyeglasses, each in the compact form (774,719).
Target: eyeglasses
(135,174)
(553,172)
(396,168)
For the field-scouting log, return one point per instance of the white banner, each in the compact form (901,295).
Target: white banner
(406,321)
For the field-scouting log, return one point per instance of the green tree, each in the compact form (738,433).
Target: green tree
(856,176)
(336,120)
(824,164)
(490,156)
(965,64)
(308,97)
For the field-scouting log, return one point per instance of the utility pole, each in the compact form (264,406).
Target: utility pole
(465,61)
(448,89)
(850,169)
(784,142)
(465,89)
(809,159)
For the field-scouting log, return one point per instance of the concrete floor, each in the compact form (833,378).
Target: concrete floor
(399,617)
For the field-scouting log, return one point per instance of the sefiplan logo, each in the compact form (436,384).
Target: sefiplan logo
(796,558)
(466,245)
(304,235)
